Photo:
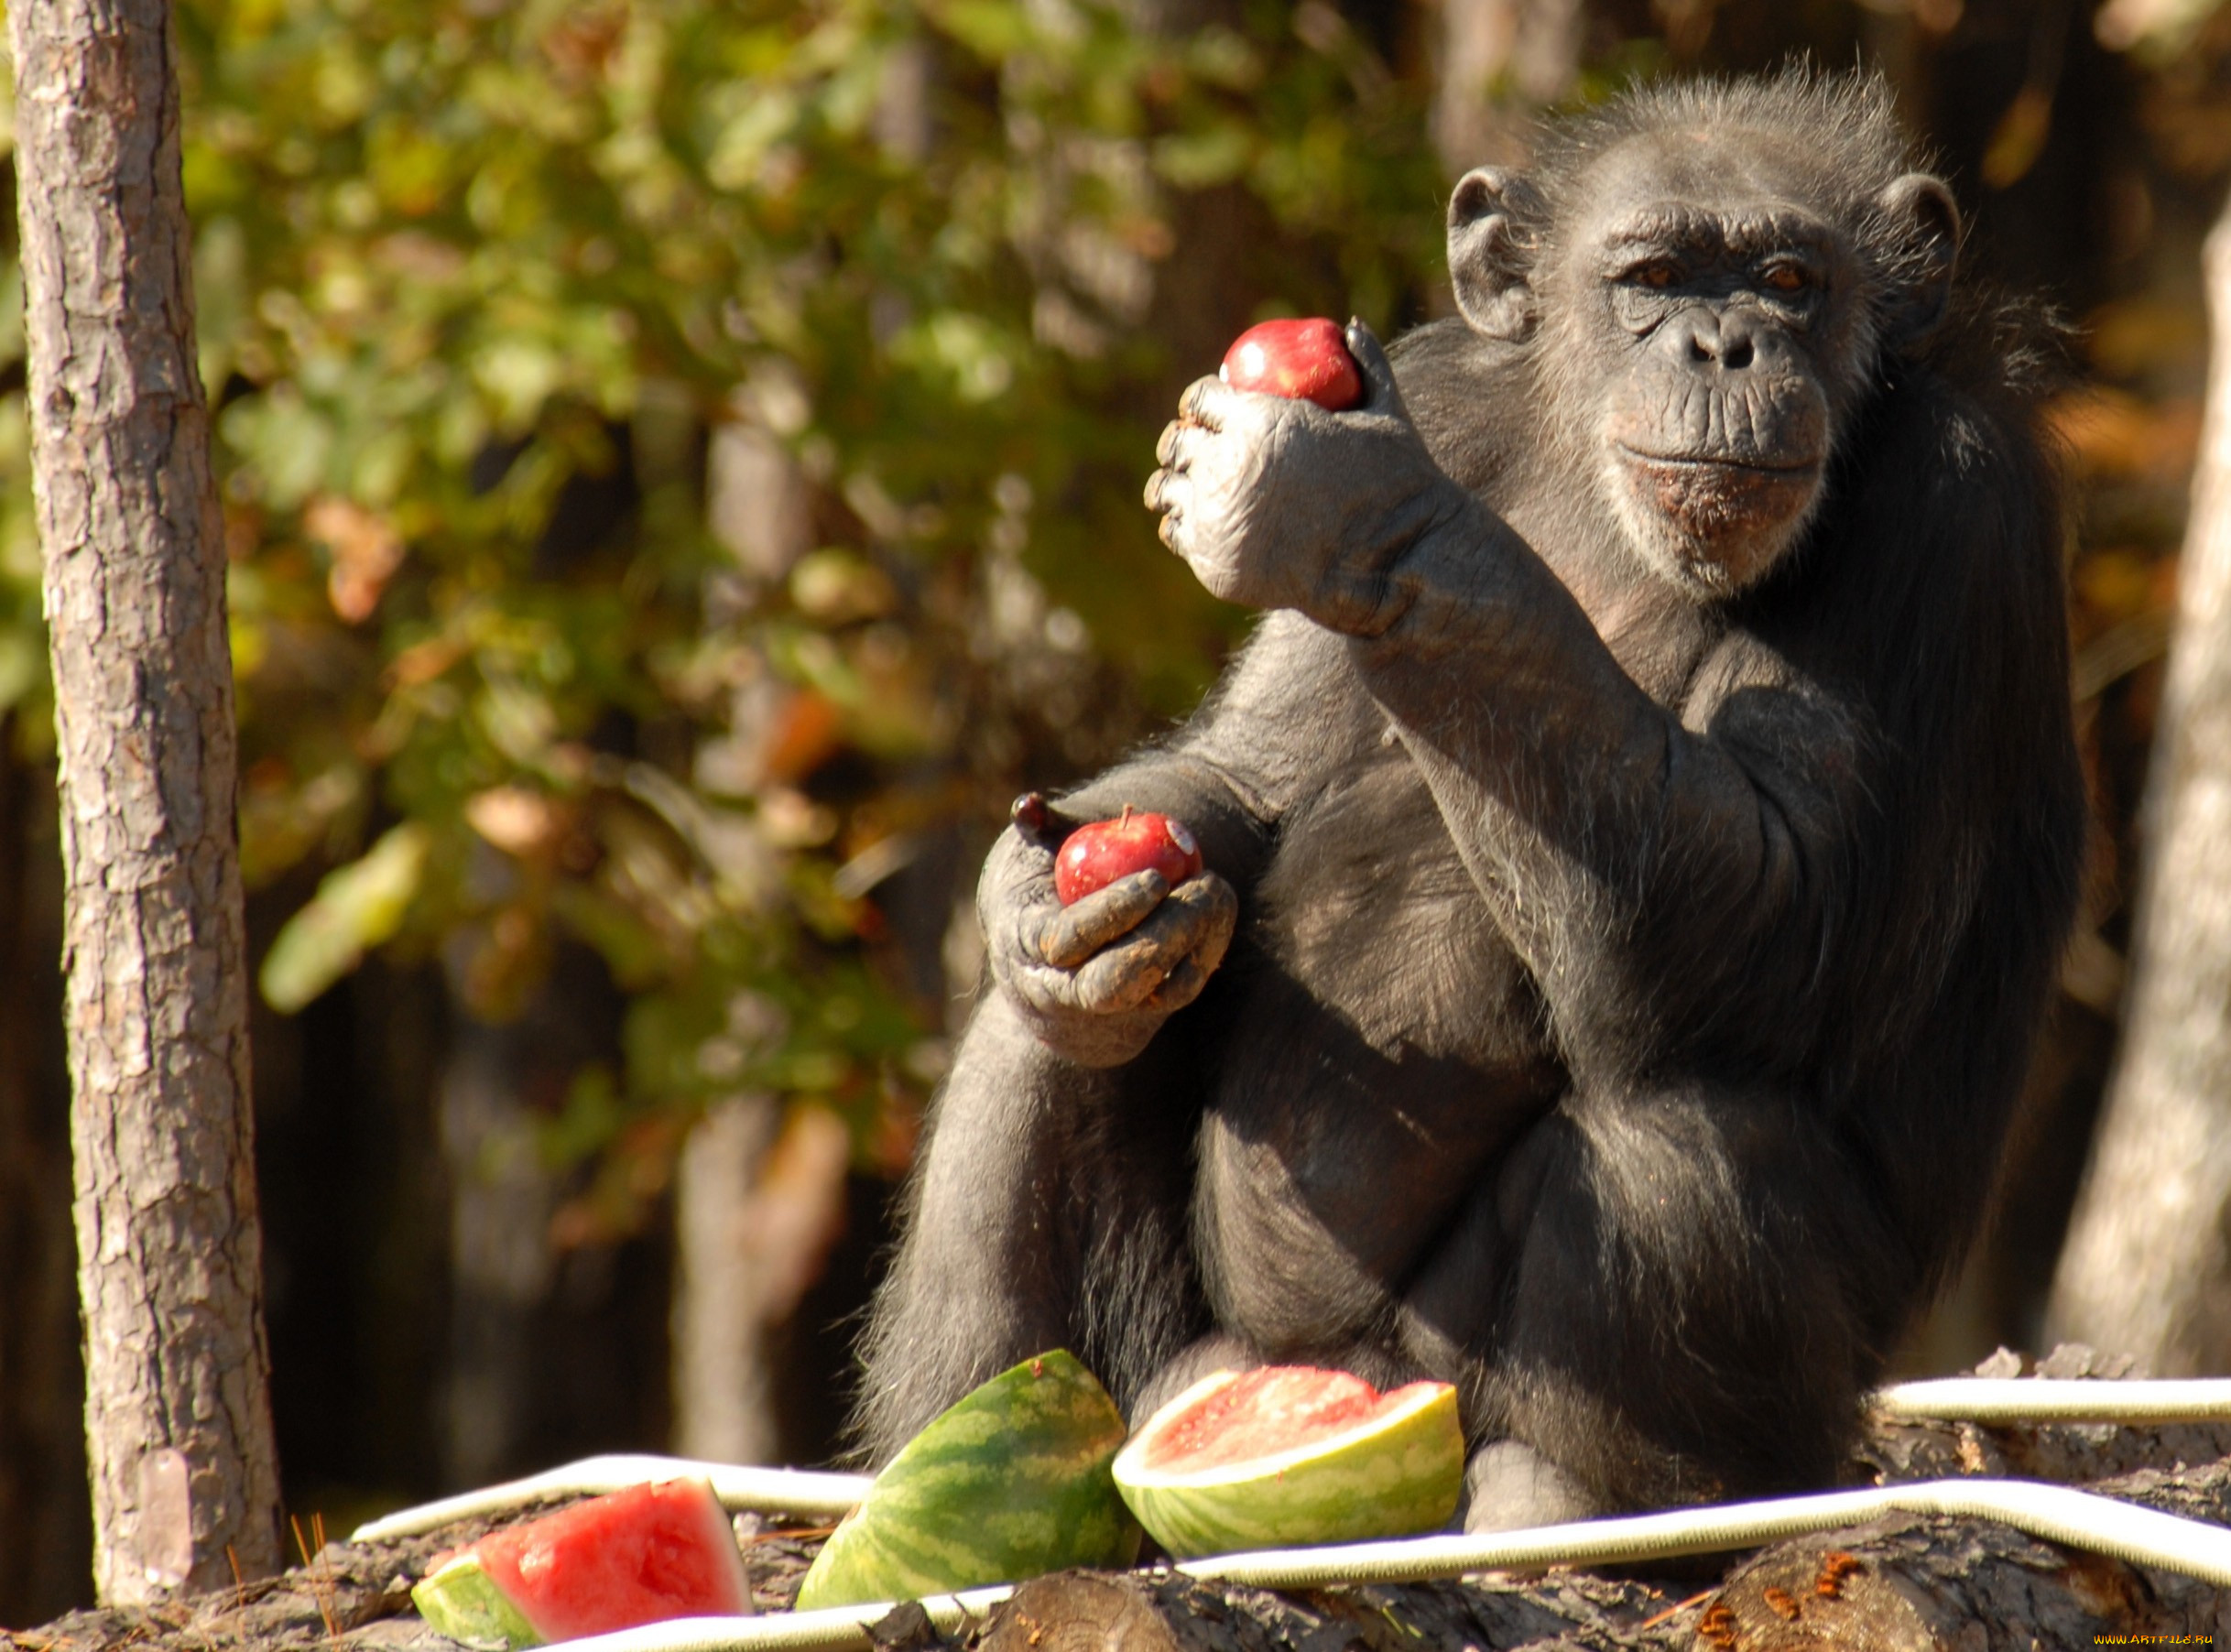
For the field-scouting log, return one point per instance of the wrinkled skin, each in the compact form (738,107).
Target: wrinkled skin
(1639,838)
(1094,980)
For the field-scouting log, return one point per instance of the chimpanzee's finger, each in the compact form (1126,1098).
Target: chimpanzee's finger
(1075,933)
(1038,822)
(1205,402)
(1130,972)
(1178,988)
(1213,912)
(1169,446)
(1126,974)
(1380,394)
(1169,495)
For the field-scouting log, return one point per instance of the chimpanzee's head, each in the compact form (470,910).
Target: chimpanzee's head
(1707,297)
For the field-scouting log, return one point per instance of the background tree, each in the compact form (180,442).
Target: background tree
(178,1425)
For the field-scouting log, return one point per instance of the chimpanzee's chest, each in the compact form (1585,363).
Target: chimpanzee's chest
(1367,915)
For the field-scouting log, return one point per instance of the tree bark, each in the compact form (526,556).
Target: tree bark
(2145,1269)
(185,1481)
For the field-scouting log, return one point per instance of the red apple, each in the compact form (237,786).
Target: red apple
(1094,856)
(1304,358)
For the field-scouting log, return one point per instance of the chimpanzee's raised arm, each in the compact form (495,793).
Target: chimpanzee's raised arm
(1675,864)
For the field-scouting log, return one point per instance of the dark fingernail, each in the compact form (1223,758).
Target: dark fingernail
(1028,812)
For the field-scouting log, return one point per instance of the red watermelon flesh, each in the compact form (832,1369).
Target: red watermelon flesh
(1264,1412)
(637,1555)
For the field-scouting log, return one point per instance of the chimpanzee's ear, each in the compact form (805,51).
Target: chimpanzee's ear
(1491,249)
(1923,217)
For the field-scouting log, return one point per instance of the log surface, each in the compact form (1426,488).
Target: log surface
(1906,1584)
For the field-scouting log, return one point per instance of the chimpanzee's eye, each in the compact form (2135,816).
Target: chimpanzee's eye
(1786,277)
(1657,273)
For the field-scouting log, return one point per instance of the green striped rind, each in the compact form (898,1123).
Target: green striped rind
(1388,1478)
(1011,1482)
(463,1602)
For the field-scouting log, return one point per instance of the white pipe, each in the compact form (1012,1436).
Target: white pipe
(2056,1513)
(2043,1399)
(810,1492)
(2059,1514)
(790,1491)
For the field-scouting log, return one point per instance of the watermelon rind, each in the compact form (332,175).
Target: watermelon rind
(462,1602)
(1010,1482)
(1388,1476)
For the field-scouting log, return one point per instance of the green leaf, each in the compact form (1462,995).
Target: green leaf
(356,908)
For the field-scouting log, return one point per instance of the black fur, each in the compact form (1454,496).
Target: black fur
(1632,985)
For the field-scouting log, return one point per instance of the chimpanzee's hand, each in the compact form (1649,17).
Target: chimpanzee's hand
(1280,503)
(1096,980)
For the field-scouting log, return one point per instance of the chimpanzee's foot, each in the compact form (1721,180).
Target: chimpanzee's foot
(1509,1485)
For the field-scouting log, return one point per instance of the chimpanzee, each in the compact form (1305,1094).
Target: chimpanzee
(1644,831)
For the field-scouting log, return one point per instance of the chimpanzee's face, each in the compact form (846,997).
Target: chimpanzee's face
(1717,314)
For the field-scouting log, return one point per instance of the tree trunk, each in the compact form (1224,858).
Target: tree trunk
(2146,1268)
(501,1269)
(758,1200)
(1498,61)
(185,1481)
(730,1289)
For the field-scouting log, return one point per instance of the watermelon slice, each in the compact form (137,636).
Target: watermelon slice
(1287,1454)
(1010,1482)
(637,1555)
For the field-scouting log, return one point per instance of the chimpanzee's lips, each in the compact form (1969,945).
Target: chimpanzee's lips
(1709,496)
(1720,461)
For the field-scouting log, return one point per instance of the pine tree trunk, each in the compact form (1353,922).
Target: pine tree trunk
(2145,1269)
(758,506)
(177,1414)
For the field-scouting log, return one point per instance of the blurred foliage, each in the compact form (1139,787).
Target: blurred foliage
(479,286)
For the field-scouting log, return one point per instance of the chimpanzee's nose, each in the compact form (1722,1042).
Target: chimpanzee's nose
(1701,336)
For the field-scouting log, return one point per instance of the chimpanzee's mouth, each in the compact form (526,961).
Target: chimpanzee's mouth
(1715,498)
(1788,469)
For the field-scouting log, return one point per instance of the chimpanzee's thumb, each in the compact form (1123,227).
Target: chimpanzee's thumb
(1380,395)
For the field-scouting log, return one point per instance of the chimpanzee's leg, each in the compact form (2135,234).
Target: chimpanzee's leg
(1048,1210)
(1660,1299)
